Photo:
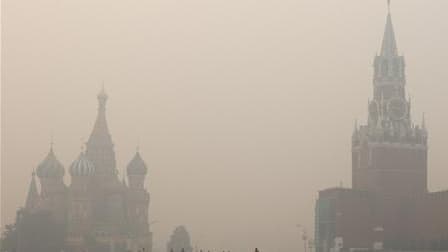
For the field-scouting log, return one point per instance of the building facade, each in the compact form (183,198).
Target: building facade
(97,210)
(389,206)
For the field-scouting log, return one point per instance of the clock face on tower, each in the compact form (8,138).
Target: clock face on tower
(397,109)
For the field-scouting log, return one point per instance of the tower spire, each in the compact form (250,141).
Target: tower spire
(389,46)
(100,146)
(51,141)
(33,195)
(137,148)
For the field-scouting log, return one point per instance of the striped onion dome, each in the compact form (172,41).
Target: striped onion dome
(50,167)
(137,166)
(82,166)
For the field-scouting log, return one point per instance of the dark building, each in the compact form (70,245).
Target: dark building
(180,241)
(389,206)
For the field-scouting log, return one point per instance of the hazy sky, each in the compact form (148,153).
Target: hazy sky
(243,109)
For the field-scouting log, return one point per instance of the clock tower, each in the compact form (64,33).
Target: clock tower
(389,153)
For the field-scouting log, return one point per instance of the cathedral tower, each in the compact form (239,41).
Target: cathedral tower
(138,200)
(53,190)
(100,148)
(136,171)
(389,153)
(80,198)
(95,212)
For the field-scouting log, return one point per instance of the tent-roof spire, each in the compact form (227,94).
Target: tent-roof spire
(51,141)
(100,148)
(33,194)
(389,46)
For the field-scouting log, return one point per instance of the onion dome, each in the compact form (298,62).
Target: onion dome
(82,166)
(50,167)
(137,166)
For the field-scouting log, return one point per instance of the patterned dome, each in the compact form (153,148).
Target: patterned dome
(82,166)
(50,167)
(137,166)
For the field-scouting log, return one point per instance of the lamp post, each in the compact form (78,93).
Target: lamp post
(304,236)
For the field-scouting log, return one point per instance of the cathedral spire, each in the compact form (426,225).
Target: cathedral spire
(389,46)
(100,133)
(100,146)
(51,142)
(33,195)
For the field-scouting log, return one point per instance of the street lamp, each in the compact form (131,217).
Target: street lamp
(304,236)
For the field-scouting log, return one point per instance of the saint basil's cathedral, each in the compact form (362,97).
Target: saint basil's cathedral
(97,211)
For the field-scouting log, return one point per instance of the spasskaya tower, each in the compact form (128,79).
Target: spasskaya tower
(389,153)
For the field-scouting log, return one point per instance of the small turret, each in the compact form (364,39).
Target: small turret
(51,172)
(50,167)
(137,171)
(53,190)
(32,198)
